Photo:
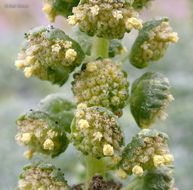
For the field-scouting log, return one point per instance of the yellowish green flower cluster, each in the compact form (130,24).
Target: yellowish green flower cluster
(159,179)
(42,177)
(102,83)
(41,133)
(149,97)
(49,55)
(95,131)
(152,42)
(139,4)
(52,8)
(108,19)
(148,150)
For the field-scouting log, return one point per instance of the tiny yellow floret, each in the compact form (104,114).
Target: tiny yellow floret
(108,150)
(28,72)
(30,59)
(48,144)
(26,138)
(98,136)
(137,170)
(158,160)
(71,54)
(19,64)
(133,23)
(168,158)
(28,154)
(81,106)
(95,10)
(91,67)
(122,174)
(72,20)
(173,37)
(47,8)
(83,124)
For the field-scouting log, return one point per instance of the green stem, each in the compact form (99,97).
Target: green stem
(93,166)
(100,47)
(125,58)
(132,185)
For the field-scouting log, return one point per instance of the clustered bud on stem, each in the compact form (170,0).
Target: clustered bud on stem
(101,91)
(102,83)
(95,131)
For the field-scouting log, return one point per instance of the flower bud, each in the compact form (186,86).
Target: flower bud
(41,134)
(52,8)
(106,19)
(96,132)
(152,42)
(149,97)
(42,176)
(101,83)
(49,54)
(148,150)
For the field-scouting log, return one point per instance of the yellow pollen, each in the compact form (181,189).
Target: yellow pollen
(28,72)
(19,64)
(91,67)
(30,59)
(173,37)
(28,154)
(72,20)
(137,170)
(83,124)
(98,136)
(26,137)
(71,54)
(108,150)
(168,158)
(133,22)
(81,106)
(48,144)
(158,160)
(94,10)
(47,8)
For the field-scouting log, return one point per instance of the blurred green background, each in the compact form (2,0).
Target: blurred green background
(18,94)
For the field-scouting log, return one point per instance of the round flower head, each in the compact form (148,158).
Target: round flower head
(59,108)
(148,150)
(149,97)
(152,42)
(101,83)
(42,134)
(139,4)
(107,19)
(95,131)
(52,8)
(49,54)
(42,176)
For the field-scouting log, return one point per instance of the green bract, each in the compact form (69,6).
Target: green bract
(95,131)
(152,42)
(49,54)
(149,97)
(147,150)
(108,19)
(101,83)
(41,133)
(59,108)
(52,8)
(42,176)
